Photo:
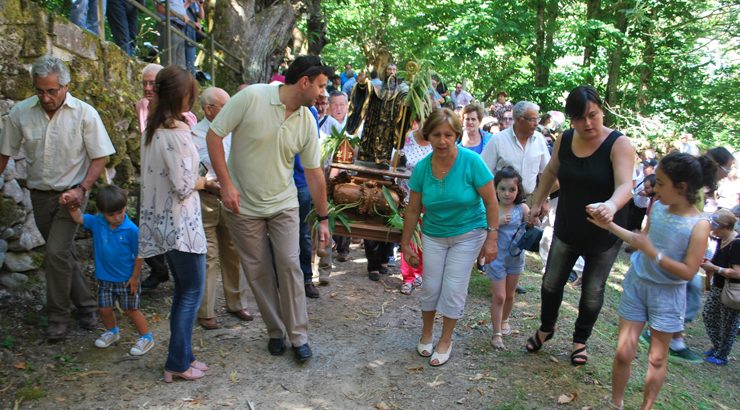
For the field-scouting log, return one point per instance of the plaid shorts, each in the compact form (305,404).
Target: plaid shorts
(109,292)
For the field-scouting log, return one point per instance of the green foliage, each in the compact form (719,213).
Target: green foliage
(679,71)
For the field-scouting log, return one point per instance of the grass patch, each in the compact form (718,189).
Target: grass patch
(29,393)
(536,380)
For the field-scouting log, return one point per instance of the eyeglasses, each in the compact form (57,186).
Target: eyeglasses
(508,118)
(725,170)
(51,92)
(531,119)
(148,83)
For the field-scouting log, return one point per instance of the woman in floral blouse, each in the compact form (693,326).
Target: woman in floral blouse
(170,211)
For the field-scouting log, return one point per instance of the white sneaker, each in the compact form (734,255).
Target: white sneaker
(142,346)
(107,339)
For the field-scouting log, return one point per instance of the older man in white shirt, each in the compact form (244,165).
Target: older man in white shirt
(221,250)
(66,147)
(520,146)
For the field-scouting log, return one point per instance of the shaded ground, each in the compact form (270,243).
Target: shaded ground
(363,335)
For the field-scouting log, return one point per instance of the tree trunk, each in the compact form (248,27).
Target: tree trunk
(544,58)
(647,33)
(315,27)
(615,62)
(257,31)
(593,12)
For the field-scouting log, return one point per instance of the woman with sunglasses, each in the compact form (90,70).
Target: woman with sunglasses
(720,320)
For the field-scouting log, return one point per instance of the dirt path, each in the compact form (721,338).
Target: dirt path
(363,335)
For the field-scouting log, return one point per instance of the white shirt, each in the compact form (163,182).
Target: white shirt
(199,138)
(464,98)
(58,150)
(327,126)
(529,161)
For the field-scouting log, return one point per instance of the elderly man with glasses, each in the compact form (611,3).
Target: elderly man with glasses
(222,256)
(66,146)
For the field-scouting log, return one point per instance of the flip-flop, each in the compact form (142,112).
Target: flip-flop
(535,342)
(407,288)
(578,358)
(441,358)
(424,349)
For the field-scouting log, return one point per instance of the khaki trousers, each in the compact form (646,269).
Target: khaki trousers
(221,251)
(269,251)
(65,283)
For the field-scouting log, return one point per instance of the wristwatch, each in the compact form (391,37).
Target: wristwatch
(658,258)
(322,218)
(491,229)
(82,188)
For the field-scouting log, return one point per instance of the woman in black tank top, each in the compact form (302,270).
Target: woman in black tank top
(593,165)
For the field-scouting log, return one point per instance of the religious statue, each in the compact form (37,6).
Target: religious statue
(386,118)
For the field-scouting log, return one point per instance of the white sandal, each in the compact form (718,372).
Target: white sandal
(424,349)
(441,358)
(497,341)
(506,328)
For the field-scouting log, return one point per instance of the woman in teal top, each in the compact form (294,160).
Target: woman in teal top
(455,188)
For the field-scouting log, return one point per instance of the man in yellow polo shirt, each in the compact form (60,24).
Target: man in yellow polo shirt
(269,125)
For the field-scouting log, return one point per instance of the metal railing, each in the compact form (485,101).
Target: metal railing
(209,51)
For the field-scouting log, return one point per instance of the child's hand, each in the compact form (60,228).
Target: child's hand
(599,223)
(602,211)
(641,242)
(507,218)
(133,283)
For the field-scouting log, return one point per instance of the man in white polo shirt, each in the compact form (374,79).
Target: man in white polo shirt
(269,125)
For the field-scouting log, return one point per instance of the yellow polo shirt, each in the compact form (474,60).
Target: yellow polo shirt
(263,146)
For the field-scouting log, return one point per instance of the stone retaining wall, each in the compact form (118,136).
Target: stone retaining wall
(102,75)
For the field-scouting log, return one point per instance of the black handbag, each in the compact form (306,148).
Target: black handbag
(526,238)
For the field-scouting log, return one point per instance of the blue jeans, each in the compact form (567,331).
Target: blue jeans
(123,19)
(596,270)
(304,235)
(84,13)
(190,50)
(189,272)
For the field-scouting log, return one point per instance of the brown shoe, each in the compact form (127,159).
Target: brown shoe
(209,323)
(311,291)
(243,314)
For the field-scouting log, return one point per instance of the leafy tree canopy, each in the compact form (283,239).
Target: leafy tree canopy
(678,68)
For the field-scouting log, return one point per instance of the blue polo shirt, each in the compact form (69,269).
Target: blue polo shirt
(115,249)
(299,176)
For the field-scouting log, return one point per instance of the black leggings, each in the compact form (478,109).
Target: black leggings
(596,270)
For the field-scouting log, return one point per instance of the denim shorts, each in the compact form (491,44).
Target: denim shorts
(661,306)
(109,292)
(511,265)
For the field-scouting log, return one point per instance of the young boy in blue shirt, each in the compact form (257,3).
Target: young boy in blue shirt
(117,267)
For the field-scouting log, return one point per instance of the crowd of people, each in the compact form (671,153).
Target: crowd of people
(228,196)
(185,16)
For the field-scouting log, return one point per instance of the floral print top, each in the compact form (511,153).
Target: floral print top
(170,206)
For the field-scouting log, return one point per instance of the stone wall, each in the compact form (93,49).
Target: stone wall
(102,75)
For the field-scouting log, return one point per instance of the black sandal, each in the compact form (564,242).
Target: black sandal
(534,341)
(578,358)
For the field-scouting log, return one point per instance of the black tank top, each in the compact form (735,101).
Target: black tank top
(585,181)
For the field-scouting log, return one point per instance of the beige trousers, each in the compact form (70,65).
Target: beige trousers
(269,251)
(221,251)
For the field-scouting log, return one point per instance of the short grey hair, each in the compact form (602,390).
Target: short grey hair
(522,107)
(208,96)
(46,65)
(151,68)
